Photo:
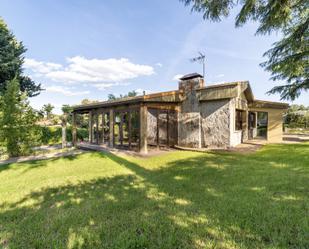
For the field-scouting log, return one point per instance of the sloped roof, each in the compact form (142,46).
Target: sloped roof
(268,104)
(167,97)
(226,91)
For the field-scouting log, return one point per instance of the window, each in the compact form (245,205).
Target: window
(238,120)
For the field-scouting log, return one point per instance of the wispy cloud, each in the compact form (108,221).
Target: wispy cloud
(67,91)
(100,73)
(159,64)
(41,67)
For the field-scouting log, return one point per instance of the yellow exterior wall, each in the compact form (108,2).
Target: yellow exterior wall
(275,122)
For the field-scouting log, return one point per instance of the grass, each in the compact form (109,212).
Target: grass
(176,200)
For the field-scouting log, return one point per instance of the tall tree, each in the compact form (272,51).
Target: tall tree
(17,122)
(11,61)
(288,59)
(47,109)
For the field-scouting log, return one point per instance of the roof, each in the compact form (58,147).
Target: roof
(167,97)
(268,104)
(226,91)
(208,93)
(191,76)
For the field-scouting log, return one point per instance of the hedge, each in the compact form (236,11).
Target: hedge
(53,134)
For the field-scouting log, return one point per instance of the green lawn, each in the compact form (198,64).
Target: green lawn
(177,200)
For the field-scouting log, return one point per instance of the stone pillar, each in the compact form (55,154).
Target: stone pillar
(111,128)
(90,128)
(245,125)
(143,129)
(74,131)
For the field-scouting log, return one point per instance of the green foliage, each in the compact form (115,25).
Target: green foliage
(88,101)
(17,124)
(288,59)
(130,94)
(11,61)
(47,110)
(177,200)
(53,134)
(67,109)
(297,117)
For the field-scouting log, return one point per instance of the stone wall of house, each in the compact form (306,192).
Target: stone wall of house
(189,130)
(215,123)
(152,127)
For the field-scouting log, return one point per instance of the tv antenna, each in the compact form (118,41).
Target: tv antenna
(200,59)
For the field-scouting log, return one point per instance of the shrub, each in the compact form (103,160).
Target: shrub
(53,134)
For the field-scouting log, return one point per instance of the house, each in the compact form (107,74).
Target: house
(194,116)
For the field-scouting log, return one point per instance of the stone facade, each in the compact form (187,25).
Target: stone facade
(215,120)
(189,134)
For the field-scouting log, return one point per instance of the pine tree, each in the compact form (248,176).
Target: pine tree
(11,61)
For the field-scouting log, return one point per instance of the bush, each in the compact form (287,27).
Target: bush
(53,134)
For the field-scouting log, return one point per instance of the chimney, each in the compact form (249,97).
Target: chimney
(190,82)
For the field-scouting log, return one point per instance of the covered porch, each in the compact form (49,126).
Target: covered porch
(134,124)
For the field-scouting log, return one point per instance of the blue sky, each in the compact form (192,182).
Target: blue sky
(87,49)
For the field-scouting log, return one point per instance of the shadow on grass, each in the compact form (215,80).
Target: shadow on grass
(218,200)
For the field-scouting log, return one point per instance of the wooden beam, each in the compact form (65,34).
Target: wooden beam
(74,131)
(130,127)
(97,128)
(111,128)
(167,129)
(121,114)
(90,128)
(158,135)
(103,125)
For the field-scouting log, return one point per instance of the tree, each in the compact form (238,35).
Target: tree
(130,94)
(11,61)
(47,109)
(66,109)
(111,97)
(66,116)
(88,101)
(17,122)
(288,58)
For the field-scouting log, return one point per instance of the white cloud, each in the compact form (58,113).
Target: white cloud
(99,72)
(41,67)
(177,77)
(65,91)
(159,64)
